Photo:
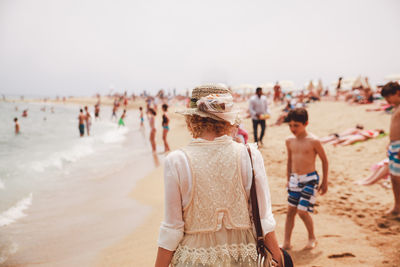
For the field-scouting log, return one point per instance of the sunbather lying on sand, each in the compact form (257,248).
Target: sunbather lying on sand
(358,137)
(335,136)
(379,171)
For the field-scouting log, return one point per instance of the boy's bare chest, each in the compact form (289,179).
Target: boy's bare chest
(303,148)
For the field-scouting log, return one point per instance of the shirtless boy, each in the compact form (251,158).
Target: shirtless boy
(302,178)
(81,119)
(391,92)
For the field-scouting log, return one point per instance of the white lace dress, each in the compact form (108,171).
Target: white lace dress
(207,221)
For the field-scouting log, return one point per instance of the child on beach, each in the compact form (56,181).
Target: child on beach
(165,125)
(391,92)
(152,114)
(121,120)
(141,116)
(302,178)
(81,119)
(16,125)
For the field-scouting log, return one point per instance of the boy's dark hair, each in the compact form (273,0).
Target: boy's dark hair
(391,88)
(81,110)
(15,119)
(298,115)
(258,89)
(140,108)
(164,107)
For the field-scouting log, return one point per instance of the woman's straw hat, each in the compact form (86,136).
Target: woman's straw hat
(208,96)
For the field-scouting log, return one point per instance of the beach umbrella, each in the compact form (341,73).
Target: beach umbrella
(393,77)
(267,86)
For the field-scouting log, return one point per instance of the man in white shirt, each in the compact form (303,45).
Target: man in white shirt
(258,106)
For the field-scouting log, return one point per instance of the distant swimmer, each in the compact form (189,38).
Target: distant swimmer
(81,119)
(25,113)
(16,125)
(165,125)
(114,110)
(121,120)
(97,110)
(88,120)
(141,116)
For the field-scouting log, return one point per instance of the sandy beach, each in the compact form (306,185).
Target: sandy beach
(348,219)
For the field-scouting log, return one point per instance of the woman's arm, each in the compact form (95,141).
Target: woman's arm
(171,230)
(271,243)
(164,257)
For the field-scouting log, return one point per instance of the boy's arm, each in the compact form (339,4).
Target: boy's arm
(323,188)
(289,162)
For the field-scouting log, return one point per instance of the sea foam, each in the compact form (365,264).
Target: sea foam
(15,212)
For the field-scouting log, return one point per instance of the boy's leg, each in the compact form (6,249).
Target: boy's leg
(289,224)
(396,194)
(308,222)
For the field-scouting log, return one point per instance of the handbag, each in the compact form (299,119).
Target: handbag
(264,258)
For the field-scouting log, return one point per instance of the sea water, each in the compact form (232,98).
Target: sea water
(55,184)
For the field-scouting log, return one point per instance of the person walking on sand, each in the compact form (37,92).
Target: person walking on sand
(207,186)
(258,107)
(81,124)
(88,120)
(152,114)
(16,125)
(165,126)
(302,178)
(391,92)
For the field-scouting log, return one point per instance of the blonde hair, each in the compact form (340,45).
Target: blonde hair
(198,125)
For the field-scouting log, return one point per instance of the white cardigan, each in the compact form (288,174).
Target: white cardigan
(178,185)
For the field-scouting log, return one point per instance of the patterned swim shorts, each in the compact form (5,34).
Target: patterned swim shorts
(302,190)
(394,161)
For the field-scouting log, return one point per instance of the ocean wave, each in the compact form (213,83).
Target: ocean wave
(59,158)
(84,147)
(14,213)
(114,136)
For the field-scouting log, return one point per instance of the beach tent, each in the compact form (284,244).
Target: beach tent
(393,77)
(243,89)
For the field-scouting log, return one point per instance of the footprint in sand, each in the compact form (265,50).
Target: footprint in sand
(342,255)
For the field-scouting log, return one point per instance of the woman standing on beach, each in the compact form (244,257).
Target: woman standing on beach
(165,125)
(207,188)
(152,113)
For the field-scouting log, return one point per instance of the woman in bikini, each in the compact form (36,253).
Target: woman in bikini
(165,125)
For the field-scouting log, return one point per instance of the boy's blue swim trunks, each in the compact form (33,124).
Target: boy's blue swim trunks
(302,189)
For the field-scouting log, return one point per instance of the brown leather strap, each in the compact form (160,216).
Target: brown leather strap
(254,205)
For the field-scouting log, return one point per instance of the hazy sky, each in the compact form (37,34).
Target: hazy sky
(67,47)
